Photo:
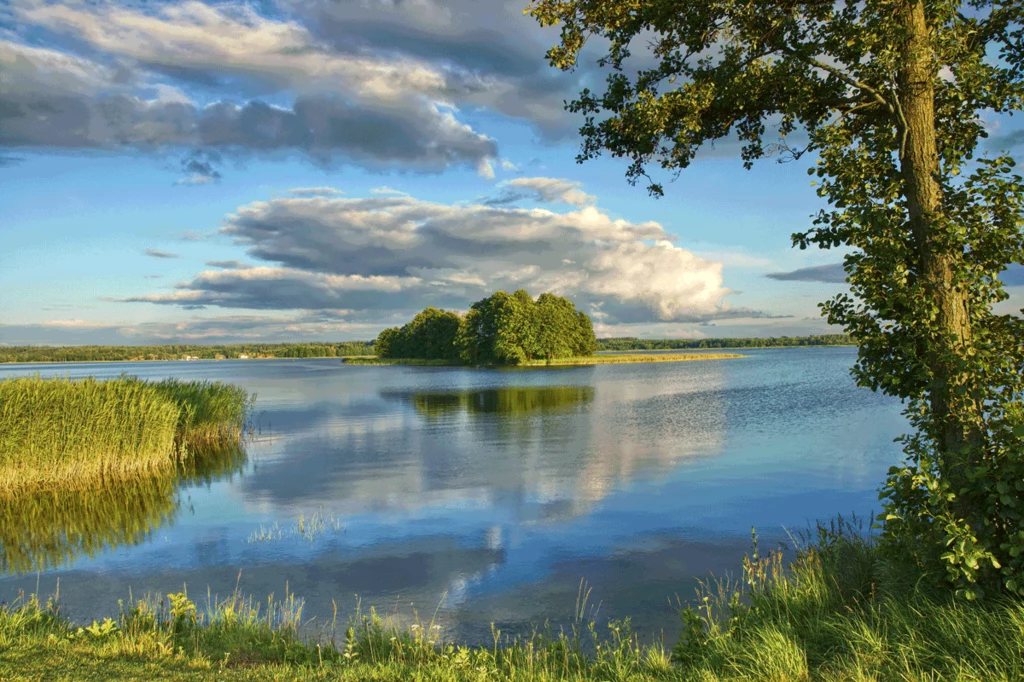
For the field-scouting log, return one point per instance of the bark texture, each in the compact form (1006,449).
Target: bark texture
(957,415)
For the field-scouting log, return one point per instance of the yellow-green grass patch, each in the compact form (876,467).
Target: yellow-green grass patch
(73,434)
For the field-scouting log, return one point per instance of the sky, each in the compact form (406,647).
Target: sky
(300,170)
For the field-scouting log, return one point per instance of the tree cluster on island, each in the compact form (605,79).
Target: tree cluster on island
(502,329)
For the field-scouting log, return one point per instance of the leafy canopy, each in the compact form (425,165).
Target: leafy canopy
(502,329)
(888,99)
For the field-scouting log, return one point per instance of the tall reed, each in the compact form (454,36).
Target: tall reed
(72,432)
(211,413)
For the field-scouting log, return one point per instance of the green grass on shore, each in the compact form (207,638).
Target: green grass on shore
(617,359)
(839,612)
(70,434)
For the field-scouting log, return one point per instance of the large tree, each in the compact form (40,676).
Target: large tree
(888,97)
(510,329)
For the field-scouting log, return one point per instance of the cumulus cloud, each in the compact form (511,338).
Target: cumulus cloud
(542,189)
(369,110)
(398,253)
(156,253)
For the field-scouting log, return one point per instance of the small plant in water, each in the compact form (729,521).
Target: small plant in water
(308,528)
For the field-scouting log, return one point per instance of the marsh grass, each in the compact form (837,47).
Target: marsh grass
(74,434)
(839,612)
(69,433)
(308,528)
(210,413)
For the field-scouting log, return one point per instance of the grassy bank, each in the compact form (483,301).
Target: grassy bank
(69,434)
(617,359)
(840,611)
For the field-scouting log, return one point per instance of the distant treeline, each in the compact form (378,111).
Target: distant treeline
(355,348)
(183,352)
(502,329)
(630,343)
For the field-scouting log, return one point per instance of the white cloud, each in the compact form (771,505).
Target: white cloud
(552,189)
(373,111)
(389,253)
(315,192)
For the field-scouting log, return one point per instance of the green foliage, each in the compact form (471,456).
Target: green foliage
(502,329)
(54,430)
(514,329)
(890,96)
(211,413)
(67,434)
(428,336)
(842,610)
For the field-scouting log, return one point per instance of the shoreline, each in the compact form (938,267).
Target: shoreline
(606,359)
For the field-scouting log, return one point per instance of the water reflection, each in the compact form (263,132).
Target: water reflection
(517,400)
(528,453)
(500,489)
(49,529)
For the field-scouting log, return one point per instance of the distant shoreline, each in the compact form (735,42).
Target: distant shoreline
(612,358)
(317,349)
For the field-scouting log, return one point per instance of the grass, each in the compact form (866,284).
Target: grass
(560,362)
(72,434)
(840,612)
(210,413)
(308,528)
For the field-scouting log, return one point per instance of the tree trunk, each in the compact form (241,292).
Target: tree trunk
(957,416)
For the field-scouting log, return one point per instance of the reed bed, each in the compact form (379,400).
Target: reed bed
(72,434)
(69,433)
(211,413)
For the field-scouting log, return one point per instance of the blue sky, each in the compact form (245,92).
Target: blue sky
(300,170)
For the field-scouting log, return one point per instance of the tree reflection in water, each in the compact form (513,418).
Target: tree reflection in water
(49,529)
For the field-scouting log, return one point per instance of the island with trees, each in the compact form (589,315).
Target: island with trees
(503,329)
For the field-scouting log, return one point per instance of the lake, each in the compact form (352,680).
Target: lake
(485,495)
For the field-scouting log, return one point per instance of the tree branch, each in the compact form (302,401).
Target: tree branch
(846,78)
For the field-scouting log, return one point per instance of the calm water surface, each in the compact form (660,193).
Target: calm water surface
(486,494)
